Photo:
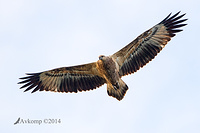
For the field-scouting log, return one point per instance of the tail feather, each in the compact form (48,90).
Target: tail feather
(117,93)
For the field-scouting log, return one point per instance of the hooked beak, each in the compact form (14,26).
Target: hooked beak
(101,57)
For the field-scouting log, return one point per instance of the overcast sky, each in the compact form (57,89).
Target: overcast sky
(38,35)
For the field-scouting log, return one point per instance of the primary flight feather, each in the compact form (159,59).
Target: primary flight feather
(108,69)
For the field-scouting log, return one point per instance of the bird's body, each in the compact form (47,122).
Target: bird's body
(108,69)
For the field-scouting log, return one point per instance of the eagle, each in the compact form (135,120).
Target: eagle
(108,69)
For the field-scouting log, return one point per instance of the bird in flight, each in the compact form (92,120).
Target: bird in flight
(108,69)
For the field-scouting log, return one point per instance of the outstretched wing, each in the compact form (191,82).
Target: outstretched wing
(146,46)
(65,79)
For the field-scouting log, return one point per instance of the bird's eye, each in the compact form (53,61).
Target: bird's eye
(101,57)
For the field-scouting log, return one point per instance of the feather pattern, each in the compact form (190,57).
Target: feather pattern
(146,46)
(65,79)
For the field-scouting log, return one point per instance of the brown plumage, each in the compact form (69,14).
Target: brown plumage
(108,69)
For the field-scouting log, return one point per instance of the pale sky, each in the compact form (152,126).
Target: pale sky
(38,35)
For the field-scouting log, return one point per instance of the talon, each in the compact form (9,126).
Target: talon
(116,86)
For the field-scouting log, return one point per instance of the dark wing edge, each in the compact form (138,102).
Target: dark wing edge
(65,79)
(145,47)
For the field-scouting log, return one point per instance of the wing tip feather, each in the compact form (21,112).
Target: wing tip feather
(173,23)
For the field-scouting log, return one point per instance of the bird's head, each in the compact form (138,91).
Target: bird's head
(101,57)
